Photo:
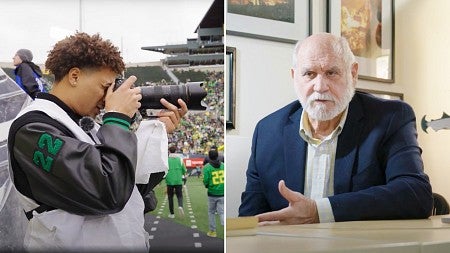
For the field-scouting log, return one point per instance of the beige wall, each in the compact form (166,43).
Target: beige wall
(422,49)
(423,69)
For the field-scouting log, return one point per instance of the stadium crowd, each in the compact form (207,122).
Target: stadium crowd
(199,130)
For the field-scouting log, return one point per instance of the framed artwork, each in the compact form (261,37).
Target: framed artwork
(282,20)
(230,87)
(383,94)
(368,26)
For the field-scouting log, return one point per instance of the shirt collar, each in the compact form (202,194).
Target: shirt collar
(305,129)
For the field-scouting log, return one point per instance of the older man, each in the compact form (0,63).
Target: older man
(345,155)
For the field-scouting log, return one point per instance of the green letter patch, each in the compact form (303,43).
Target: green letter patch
(47,144)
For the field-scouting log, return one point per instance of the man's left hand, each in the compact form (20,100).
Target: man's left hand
(172,116)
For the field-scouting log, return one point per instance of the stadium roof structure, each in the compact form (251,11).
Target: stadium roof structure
(206,49)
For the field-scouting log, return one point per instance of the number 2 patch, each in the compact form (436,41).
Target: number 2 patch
(48,148)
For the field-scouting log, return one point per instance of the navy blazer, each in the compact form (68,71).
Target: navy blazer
(378,171)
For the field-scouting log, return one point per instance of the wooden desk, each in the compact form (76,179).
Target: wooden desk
(428,235)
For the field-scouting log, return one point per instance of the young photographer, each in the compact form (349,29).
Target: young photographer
(78,184)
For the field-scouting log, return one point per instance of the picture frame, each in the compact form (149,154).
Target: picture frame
(383,94)
(368,26)
(230,87)
(286,22)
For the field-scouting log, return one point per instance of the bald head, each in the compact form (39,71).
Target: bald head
(325,43)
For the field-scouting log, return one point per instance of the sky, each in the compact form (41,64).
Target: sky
(129,24)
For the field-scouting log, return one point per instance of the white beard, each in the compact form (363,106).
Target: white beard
(320,112)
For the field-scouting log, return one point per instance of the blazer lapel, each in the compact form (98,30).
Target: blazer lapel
(347,147)
(294,153)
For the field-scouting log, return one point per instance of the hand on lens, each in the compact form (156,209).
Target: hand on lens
(172,116)
(301,210)
(125,99)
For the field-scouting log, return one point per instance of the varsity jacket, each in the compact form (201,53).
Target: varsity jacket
(87,179)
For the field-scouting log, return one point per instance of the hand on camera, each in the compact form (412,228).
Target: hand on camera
(125,99)
(172,116)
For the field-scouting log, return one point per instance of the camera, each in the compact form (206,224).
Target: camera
(192,94)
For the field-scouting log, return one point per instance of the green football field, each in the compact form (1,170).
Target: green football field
(194,193)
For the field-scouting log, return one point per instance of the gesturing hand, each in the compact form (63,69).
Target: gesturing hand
(301,209)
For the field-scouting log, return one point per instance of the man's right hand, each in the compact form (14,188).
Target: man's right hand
(301,209)
(125,99)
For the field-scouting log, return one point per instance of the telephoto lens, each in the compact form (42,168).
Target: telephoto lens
(192,94)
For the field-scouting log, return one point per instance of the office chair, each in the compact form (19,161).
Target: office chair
(440,205)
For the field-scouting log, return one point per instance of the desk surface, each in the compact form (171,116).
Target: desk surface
(428,235)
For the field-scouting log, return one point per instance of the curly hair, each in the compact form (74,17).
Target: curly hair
(83,51)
